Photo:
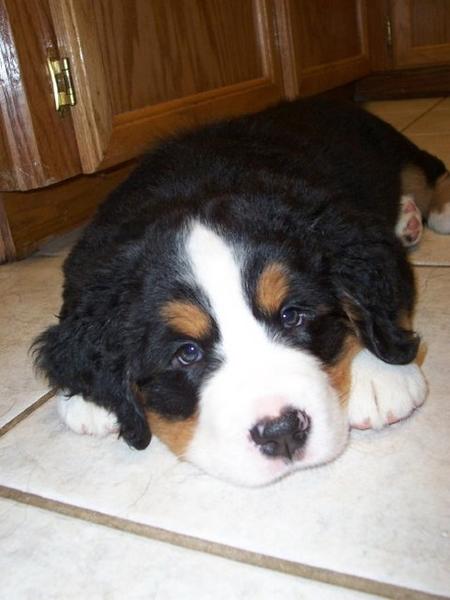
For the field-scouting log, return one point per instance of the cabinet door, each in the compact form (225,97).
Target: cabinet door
(324,43)
(37,146)
(420,32)
(144,68)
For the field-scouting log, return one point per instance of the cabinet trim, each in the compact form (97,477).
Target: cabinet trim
(134,132)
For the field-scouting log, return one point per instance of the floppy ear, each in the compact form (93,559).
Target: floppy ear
(77,356)
(375,284)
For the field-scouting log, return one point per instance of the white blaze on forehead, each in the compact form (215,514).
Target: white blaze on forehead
(258,378)
(217,271)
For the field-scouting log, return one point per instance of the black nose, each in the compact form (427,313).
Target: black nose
(282,436)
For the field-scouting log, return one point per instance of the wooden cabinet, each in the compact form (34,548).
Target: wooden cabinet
(37,146)
(324,43)
(409,49)
(420,32)
(142,69)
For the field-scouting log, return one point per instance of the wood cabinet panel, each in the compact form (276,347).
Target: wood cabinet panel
(421,32)
(224,56)
(37,145)
(158,51)
(430,21)
(320,36)
(324,43)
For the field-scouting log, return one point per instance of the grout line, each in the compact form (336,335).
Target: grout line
(286,567)
(27,412)
(429,266)
(415,119)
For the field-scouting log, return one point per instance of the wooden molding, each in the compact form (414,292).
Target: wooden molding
(287,46)
(269,52)
(7,248)
(37,215)
(409,83)
(135,131)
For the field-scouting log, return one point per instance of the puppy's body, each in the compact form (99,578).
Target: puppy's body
(222,292)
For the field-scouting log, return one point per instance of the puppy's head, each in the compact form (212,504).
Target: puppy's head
(242,346)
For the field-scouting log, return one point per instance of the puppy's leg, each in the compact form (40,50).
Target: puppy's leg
(432,199)
(439,215)
(382,393)
(86,417)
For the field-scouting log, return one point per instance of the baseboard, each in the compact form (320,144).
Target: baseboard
(34,217)
(408,83)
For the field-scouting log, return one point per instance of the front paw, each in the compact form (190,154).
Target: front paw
(85,417)
(382,394)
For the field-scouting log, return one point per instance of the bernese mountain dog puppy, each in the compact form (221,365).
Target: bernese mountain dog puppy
(246,294)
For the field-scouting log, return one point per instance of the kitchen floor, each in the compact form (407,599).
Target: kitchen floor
(88,518)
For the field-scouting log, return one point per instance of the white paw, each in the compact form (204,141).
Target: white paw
(440,221)
(85,417)
(409,225)
(382,394)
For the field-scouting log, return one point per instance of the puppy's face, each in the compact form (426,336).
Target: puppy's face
(246,359)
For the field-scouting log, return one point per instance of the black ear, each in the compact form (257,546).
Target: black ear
(381,333)
(375,284)
(77,356)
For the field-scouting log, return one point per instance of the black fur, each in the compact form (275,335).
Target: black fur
(312,183)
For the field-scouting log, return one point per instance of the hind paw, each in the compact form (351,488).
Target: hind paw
(409,225)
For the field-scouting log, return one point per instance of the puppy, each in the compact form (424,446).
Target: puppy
(246,296)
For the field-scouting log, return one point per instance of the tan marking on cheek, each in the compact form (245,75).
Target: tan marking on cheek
(186,318)
(272,288)
(340,372)
(405,321)
(177,435)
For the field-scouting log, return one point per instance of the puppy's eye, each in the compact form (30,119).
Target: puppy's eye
(291,317)
(188,354)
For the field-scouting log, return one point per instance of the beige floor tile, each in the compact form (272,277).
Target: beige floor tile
(433,250)
(401,114)
(416,106)
(60,245)
(381,511)
(30,292)
(434,122)
(399,121)
(443,105)
(46,556)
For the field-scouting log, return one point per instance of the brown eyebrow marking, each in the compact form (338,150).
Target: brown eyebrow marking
(187,318)
(272,288)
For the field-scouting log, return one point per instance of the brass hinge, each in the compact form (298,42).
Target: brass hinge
(388,26)
(63,91)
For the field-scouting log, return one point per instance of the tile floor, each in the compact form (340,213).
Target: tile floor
(86,518)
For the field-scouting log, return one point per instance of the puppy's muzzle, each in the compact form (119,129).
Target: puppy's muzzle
(283,436)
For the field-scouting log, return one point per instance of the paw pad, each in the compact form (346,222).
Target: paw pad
(409,226)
